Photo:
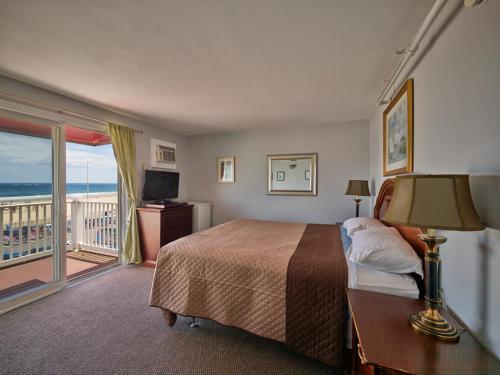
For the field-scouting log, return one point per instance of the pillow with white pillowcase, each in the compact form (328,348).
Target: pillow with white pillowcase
(359,223)
(385,250)
(368,278)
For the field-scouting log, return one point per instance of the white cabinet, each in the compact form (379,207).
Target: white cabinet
(202,215)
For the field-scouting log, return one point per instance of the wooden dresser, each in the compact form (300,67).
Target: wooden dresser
(159,226)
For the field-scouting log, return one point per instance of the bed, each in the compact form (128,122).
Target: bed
(282,281)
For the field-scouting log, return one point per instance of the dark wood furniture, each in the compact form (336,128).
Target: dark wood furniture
(410,234)
(384,343)
(159,226)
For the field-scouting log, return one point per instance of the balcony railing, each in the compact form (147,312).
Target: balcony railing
(27,229)
(96,225)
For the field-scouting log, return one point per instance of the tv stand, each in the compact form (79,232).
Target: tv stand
(160,226)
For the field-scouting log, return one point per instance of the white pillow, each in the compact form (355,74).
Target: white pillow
(368,278)
(385,250)
(359,223)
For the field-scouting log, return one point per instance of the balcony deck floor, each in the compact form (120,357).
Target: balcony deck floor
(22,276)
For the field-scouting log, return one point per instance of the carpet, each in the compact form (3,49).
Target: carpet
(105,326)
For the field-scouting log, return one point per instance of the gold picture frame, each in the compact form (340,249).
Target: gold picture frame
(287,174)
(398,132)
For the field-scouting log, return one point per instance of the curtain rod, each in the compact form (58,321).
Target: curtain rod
(20,100)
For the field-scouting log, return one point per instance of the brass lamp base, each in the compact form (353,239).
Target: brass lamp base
(358,201)
(430,322)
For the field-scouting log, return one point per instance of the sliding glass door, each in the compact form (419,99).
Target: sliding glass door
(31,209)
(59,205)
(91,201)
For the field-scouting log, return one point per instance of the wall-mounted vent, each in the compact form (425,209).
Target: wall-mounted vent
(163,154)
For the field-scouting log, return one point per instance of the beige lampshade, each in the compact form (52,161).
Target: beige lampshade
(358,187)
(433,201)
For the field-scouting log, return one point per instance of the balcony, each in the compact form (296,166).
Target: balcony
(26,256)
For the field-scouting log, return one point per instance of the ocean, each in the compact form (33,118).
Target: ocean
(30,189)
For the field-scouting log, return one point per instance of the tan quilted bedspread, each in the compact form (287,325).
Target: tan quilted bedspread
(234,273)
(283,281)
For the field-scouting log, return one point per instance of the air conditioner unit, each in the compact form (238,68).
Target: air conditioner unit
(163,154)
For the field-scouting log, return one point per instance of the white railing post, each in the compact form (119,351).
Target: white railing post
(72,209)
(28,228)
(77,225)
(80,228)
(11,233)
(1,233)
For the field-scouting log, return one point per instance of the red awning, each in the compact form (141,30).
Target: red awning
(86,137)
(74,135)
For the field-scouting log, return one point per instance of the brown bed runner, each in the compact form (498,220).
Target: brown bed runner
(316,295)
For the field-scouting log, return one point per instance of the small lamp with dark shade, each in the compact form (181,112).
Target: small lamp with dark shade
(358,188)
(433,202)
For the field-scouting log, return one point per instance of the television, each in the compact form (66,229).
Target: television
(160,186)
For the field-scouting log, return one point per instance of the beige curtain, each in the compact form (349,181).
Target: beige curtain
(123,140)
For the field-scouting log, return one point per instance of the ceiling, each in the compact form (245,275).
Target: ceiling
(198,67)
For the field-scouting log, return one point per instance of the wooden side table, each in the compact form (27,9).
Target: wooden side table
(384,343)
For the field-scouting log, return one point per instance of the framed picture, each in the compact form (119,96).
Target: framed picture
(398,132)
(225,169)
(292,174)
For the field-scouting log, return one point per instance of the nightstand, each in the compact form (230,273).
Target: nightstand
(384,343)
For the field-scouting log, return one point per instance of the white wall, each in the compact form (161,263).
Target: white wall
(342,155)
(457,130)
(13,87)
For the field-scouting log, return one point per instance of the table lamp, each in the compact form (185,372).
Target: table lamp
(433,202)
(358,188)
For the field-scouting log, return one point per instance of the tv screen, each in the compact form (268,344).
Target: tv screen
(159,186)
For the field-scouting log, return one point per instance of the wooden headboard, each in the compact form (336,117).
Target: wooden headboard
(410,234)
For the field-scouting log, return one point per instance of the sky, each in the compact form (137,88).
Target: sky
(27,159)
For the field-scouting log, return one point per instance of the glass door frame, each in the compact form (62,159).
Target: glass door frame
(122,203)
(59,202)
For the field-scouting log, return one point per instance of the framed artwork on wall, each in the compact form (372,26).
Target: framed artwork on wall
(292,174)
(225,169)
(398,132)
